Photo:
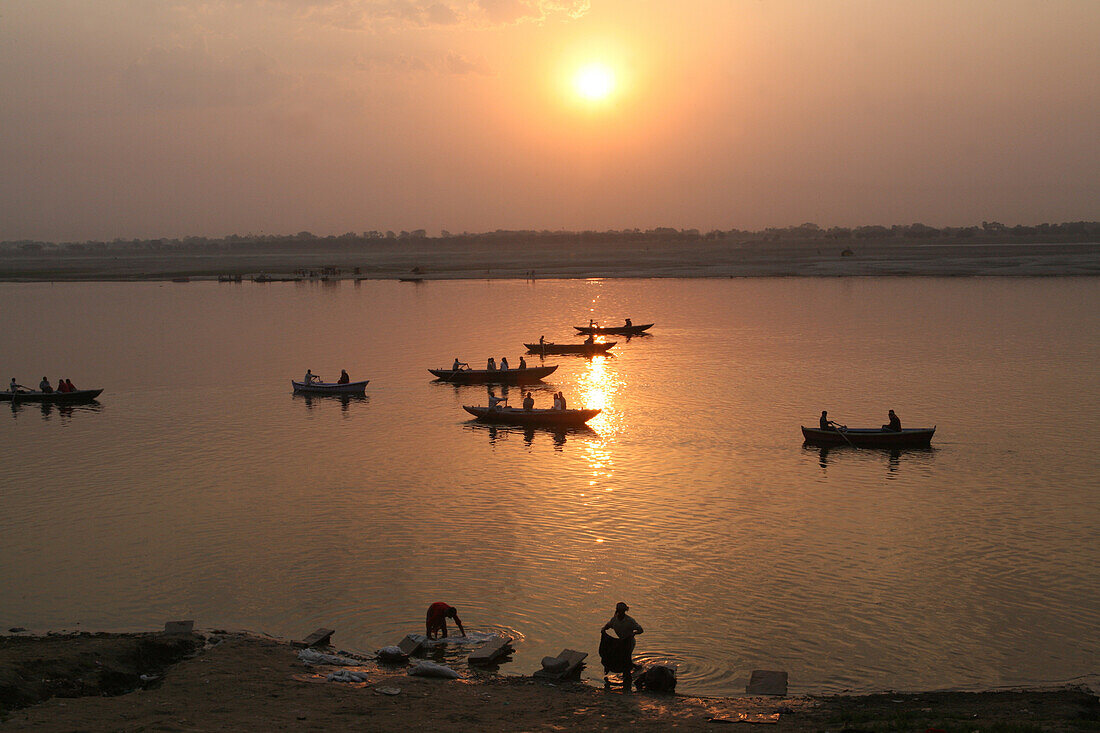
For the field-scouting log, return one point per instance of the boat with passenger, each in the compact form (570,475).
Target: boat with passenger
(587,348)
(870,437)
(626,330)
(332,388)
(537,417)
(65,398)
(494,376)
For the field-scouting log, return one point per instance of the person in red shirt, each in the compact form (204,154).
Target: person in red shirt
(436,622)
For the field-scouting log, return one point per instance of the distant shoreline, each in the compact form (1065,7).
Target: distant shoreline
(431,260)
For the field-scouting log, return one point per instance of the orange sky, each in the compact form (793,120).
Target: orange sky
(132,118)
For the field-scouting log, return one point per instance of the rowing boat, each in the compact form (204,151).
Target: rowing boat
(330,387)
(548,347)
(615,330)
(870,437)
(539,417)
(494,376)
(80,395)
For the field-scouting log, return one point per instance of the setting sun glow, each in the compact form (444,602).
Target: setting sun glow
(594,82)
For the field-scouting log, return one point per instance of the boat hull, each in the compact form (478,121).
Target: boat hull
(870,437)
(65,398)
(550,348)
(615,330)
(330,387)
(540,418)
(497,376)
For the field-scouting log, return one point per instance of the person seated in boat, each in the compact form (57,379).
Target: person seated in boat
(557,403)
(528,402)
(561,400)
(344,378)
(458,365)
(61,386)
(895,423)
(504,363)
(827,424)
(522,363)
(16,387)
(310,377)
(436,621)
(44,386)
(69,385)
(495,402)
(629,324)
(491,365)
(542,340)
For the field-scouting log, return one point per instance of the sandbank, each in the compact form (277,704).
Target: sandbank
(441,260)
(221,681)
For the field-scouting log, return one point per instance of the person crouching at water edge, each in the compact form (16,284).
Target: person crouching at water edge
(436,622)
(616,653)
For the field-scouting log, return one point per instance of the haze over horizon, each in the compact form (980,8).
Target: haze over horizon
(131,119)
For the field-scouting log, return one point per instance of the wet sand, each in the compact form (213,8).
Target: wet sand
(236,681)
(440,259)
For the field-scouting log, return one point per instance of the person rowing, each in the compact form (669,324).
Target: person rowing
(459,365)
(827,424)
(15,387)
(310,377)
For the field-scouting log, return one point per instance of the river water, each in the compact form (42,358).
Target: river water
(199,487)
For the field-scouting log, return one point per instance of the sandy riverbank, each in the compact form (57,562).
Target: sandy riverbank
(235,681)
(441,261)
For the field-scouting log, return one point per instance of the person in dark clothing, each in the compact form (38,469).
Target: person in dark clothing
(528,402)
(344,378)
(827,424)
(616,651)
(894,424)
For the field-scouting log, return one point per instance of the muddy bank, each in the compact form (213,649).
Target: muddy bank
(234,681)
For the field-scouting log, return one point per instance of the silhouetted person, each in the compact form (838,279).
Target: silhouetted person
(522,363)
(616,653)
(61,386)
(491,365)
(459,364)
(628,323)
(69,384)
(436,621)
(591,339)
(827,424)
(310,377)
(344,378)
(528,402)
(504,362)
(14,386)
(894,424)
(561,400)
(44,385)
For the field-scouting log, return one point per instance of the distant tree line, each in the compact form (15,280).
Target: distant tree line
(990,231)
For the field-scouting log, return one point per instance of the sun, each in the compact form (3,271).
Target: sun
(594,82)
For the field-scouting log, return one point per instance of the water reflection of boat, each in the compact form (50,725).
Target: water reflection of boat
(558,435)
(870,437)
(70,398)
(548,347)
(615,330)
(330,388)
(534,417)
(494,376)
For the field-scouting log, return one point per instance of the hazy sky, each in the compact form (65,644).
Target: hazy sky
(150,118)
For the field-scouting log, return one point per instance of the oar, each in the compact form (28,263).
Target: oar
(842,429)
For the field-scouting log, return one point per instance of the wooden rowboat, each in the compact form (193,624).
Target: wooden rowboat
(615,330)
(330,387)
(551,348)
(541,418)
(494,376)
(65,398)
(870,437)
